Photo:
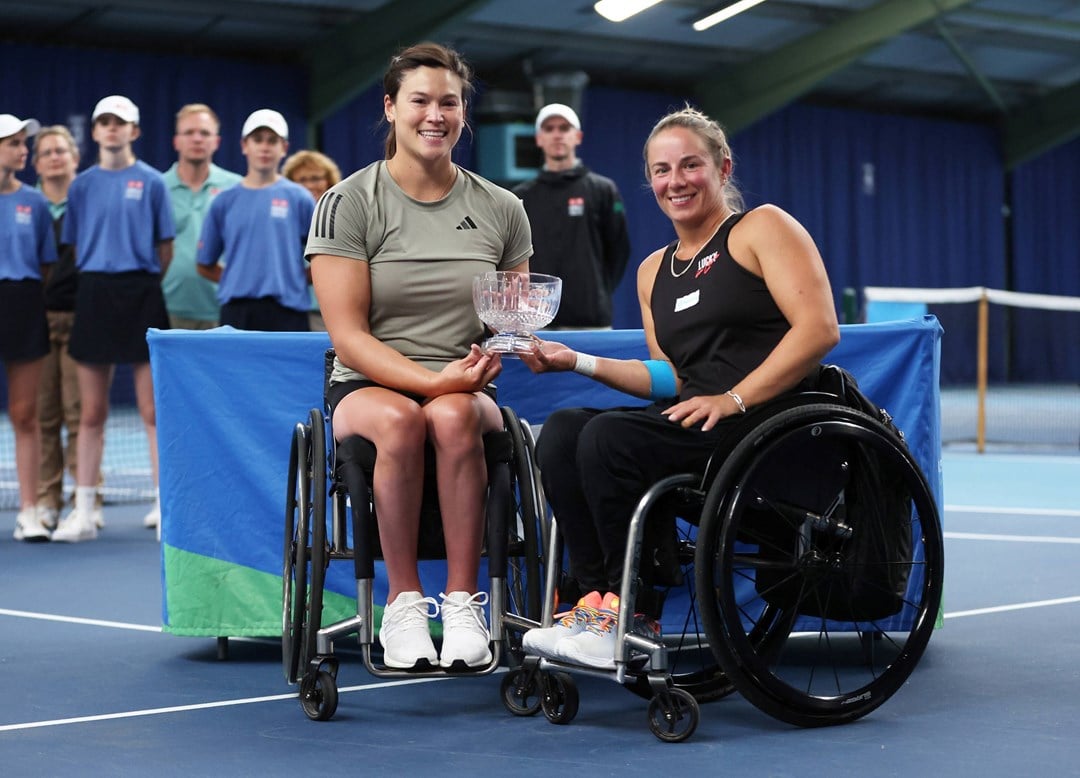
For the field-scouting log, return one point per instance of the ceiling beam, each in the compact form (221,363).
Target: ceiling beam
(740,96)
(1040,126)
(349,60)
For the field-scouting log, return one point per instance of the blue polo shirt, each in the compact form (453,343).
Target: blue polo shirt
(26,234)
(116,218)
(260,234)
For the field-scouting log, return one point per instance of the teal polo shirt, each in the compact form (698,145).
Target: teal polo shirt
(187,294)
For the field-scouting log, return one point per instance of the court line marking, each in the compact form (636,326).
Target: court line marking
(1018,606)
(1013,511)
(204,705)
(1009,538)
(361,688)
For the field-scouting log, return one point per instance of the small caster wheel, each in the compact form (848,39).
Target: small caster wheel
(521,692)
(559,697)
(680,718)
(319,697)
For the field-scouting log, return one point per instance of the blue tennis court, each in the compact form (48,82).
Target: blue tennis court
(92,684)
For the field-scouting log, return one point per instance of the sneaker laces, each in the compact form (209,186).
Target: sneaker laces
(602,622)
(467,613)
(415,614)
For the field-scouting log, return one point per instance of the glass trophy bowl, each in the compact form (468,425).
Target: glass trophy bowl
(514,306)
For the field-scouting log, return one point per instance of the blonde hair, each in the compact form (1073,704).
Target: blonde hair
(191,108)
(317,159)
(716,143)
(59,131)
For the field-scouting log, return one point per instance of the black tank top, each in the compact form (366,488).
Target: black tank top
(714,319)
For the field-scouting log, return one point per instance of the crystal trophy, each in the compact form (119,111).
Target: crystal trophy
(514,306)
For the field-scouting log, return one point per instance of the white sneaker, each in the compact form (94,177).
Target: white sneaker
(466,639)
(30,527)
(74,529)
(99,518)
(594,646)
(404,633)
(152,519)
(542,641)
(49,516)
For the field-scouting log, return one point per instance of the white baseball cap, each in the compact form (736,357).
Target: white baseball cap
(10,124)
(558,109)
(265,117)
(117,105)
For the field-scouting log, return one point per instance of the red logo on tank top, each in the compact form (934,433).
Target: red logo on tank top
(705,264)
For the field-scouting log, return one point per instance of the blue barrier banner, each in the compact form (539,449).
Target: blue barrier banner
(228,401)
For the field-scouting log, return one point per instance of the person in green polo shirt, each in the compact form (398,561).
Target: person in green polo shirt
(193,180)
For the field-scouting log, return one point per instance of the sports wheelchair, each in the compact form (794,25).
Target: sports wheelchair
(340,474)
(802,569)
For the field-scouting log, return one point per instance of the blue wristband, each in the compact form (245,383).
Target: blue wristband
(661,379)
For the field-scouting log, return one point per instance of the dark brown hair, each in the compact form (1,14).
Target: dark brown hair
(426,54)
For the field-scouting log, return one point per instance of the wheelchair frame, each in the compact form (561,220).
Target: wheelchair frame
(757,639)
(512,551)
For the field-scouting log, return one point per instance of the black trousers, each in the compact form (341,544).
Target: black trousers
(595,465)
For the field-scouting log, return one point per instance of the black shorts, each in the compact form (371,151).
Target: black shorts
(113,311)
(263,314)
(338,392)
(24,334)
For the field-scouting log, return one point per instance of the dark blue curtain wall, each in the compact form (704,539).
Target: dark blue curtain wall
(62,85)
(1046,260)
(890,200)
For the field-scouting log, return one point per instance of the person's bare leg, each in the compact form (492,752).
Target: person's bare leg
(144,398)
(455,426)
(23,379)
(94,383)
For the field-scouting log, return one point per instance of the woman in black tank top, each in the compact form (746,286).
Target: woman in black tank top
(736,311)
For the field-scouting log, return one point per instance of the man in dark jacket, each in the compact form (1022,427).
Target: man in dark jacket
(578,223)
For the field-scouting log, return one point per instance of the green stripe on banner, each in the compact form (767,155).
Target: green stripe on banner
(230,600)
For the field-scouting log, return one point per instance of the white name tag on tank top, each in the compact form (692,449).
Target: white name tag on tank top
(687,300)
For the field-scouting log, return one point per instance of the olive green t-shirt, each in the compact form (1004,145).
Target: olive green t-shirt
(422,257)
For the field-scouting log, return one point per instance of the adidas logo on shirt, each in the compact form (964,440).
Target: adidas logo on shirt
(467,224)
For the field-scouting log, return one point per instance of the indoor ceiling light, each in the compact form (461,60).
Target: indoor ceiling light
(620,10)
(706,22)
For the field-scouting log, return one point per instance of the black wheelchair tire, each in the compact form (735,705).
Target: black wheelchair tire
(761,660)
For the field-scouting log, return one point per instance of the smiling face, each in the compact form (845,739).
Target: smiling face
(428,113)
(685,179)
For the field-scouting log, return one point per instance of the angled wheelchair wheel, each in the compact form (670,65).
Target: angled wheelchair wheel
(294,578)
(523,580)
(305,552)
(692,664)
(821,553)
